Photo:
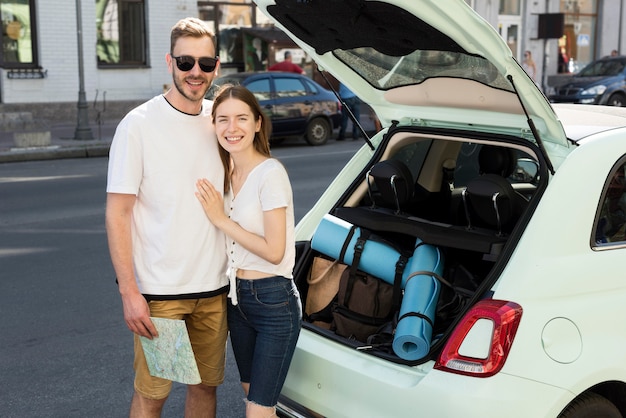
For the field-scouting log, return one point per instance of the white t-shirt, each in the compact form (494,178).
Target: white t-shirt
(267,187)
(158,153)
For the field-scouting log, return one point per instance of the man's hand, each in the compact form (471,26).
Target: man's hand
(137,316)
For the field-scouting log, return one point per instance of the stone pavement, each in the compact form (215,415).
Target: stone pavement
(56,141)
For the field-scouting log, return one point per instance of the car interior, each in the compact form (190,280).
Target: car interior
(465,197)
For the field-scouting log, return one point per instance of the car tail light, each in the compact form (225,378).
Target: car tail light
(480,343)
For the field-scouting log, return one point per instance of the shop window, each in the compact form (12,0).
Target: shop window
(579,32)
(18,34)
(509,7)
(121,32)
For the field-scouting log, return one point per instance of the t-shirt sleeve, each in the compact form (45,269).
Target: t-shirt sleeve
(275,190)
(125,161)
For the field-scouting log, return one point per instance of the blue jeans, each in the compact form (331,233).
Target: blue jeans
(264,329)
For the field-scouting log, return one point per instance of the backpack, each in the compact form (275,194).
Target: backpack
(365,303)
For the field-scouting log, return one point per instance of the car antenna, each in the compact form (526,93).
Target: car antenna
(533,129)
(352,117)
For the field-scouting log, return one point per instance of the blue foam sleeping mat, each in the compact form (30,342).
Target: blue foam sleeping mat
(421,290)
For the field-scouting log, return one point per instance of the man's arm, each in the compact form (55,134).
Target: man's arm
(119,209)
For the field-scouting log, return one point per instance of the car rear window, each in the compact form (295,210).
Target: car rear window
(260,88)
(611,220)
(386,71)
(289,87)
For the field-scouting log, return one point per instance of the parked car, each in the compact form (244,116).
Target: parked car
(297,105)
(601,82)
(511,210)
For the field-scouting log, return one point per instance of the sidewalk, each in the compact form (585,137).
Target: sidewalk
(31,145)
(60,143)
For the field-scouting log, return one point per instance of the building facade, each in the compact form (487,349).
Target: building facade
(113,51)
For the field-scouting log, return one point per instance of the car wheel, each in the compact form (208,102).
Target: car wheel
(617,99)
(317,131)
(591,405)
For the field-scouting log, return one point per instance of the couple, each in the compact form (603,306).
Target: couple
(177,249)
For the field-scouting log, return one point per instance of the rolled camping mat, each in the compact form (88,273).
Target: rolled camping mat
(421,292)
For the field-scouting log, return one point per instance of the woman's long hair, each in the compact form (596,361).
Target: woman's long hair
(261,138)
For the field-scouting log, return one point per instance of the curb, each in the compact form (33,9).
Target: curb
(54,152)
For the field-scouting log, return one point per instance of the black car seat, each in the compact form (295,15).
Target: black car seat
(489,200)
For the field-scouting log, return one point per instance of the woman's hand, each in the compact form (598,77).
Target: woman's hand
(212,201)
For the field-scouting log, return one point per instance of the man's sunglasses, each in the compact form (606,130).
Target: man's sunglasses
(186,63)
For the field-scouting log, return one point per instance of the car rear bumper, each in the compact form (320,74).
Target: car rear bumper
(329,379)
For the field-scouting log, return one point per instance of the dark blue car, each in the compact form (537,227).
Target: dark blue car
(603,82)
(297,105)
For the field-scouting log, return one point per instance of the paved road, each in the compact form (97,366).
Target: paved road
(64,347)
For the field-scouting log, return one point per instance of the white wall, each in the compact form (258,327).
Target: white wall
(58,54)
(613,27)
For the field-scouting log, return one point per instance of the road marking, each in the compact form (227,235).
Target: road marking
(45,178)
(317,154)
(9,252)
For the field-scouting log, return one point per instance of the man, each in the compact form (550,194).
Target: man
(258,55)
(352,103)
(287,65)
(168,258)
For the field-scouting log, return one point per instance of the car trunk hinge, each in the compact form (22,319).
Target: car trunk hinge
(352,117)
(532,127)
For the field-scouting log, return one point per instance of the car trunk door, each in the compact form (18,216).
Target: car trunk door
(434,63)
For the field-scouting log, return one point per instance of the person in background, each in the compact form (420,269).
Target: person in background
(168,258)
(287,65)
(528,64)
(614,53)
(352,102)
(256,214)
(563,66)
(258,55)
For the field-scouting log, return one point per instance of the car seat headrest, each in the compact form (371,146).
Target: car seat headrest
(490,201)
(394,181)
(497,160)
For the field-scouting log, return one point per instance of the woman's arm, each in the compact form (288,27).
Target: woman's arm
(271,247)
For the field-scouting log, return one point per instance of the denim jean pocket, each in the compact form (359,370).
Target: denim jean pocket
(276,295)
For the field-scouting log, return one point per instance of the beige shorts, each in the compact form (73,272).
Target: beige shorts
(208,331)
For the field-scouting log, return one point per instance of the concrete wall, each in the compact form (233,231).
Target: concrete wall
(47,114)
(612,35)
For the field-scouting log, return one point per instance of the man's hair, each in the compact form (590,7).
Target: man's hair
(190,26)
(287,54)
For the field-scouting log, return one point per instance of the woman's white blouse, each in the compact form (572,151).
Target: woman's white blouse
(267,187)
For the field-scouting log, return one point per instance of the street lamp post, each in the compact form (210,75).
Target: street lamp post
(83,131)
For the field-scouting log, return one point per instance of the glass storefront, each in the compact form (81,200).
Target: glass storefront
(577,46)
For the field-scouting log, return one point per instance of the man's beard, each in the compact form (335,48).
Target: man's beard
(179,84)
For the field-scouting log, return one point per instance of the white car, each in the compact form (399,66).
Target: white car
(523,205)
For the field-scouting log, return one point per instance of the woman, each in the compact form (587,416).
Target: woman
(529,66)
(256,214)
